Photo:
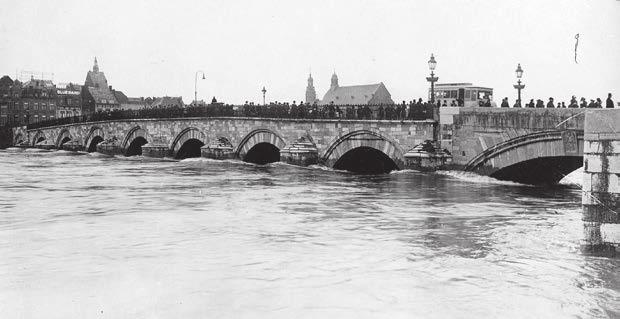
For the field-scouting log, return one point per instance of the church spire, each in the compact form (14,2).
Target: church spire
(310,92)
(96,66)
(334,81)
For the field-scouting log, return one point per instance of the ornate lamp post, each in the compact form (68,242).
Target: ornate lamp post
(264,91)
(519,86)
(431,65)
(196,86)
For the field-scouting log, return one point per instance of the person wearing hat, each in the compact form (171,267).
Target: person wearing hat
(550,103)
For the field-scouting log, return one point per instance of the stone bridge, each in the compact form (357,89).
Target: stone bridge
(356,145)
(532,146)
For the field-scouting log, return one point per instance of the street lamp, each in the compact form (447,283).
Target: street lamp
(196,86)
(519,86)
(431,65)
(264,91)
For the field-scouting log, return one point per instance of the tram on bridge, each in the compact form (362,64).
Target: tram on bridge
(463,95)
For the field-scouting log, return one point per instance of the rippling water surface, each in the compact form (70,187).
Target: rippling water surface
(89,236)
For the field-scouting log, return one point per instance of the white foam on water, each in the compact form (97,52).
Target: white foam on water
(574,178)
(478,179)
(36,150)
(13,149)
(404,171)
(97,154)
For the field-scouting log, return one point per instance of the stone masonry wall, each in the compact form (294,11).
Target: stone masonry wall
(601,178)
(476,129)
(406,134)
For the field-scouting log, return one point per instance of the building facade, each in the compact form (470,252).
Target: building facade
(69,100)
(30,102)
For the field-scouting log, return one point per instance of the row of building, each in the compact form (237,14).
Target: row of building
(38,100)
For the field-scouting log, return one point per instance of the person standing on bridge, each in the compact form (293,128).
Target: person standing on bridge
(609,104)
(573,102)
(505,102)
(550,103)
(531,104)
(583,103)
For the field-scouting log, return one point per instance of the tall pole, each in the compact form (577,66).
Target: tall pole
(519,86)
(431,65)
(432,79)
(264,91)
(196,86)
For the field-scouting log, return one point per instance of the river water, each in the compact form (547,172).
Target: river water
(89,236)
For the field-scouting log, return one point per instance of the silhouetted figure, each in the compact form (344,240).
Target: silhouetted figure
(573,102)
(583,103)
(599,103)
(505,102)
(531,104)
(609,104)
(550,103)
(517,103)
(540,103)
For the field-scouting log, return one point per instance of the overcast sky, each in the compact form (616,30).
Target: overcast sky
(153,48)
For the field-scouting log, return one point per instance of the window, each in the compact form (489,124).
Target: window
(452,94)
(467,94)
(474,95)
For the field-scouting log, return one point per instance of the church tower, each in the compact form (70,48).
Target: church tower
(310,92)
(96,66)
(334,82)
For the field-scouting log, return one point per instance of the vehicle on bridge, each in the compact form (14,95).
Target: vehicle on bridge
(463,95)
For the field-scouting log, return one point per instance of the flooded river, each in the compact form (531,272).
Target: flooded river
(90,236)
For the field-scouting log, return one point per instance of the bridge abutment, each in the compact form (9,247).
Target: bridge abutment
(601,181)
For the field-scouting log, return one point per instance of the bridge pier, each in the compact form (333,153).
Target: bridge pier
(601,182)
(220,150)
(109,148)
(301,153)
(156,150)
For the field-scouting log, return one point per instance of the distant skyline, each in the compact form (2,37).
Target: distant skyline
(154,48)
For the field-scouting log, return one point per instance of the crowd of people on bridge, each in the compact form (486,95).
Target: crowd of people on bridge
(414,110)
(582,103)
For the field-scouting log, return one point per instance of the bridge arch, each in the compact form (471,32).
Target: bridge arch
(133,141)
(261,146)
(364,151)
(38,137)
(536,158)
(63,137)
(188,143)
(94,137)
